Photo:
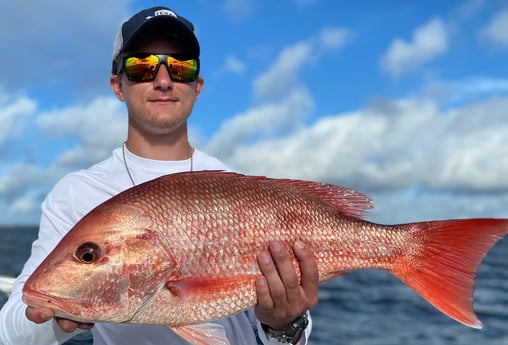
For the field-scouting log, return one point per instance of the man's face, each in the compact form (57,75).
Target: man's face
(160,106)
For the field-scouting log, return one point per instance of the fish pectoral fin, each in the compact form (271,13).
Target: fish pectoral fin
(208,286)
(202,334)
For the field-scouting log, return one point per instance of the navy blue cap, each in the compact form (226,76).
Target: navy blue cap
(163,20)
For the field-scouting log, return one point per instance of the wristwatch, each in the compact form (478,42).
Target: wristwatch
(290,333)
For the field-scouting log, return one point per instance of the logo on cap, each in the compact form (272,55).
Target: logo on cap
(161,13)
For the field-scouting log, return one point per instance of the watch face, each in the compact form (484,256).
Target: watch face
(298,325)
(288,334)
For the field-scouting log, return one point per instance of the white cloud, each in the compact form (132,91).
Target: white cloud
(231,65)
(96,127)
(238,9)
(21,195)
(234,65)
(392,146)
(428,42)
(99,127)
(24,204)
(15,114)
(281,103)
(333,38)
(457,92)
(417,162)
(18,176)
(267,120)
(283,74)
(410,205)
(497,30)
(474,155)
(385,150)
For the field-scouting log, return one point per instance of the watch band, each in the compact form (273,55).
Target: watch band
(288,334)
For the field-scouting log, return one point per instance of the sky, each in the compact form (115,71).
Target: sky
(406,101)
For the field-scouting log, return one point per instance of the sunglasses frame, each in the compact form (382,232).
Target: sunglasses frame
(162,59)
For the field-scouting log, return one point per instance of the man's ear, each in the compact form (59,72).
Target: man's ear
(115,83)
(199,84)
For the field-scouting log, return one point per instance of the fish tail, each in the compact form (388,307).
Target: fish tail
(443,266)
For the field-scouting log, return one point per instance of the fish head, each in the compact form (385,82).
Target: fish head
(106,268)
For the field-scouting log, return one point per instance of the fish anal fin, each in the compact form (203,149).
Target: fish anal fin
(202,334)
(443,269)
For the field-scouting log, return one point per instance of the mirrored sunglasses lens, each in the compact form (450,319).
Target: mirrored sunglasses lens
(140,69)
(185,70)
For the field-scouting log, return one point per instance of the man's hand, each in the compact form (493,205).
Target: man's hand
(41,315)
(281,297)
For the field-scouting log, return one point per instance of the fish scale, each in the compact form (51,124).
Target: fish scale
(182,249)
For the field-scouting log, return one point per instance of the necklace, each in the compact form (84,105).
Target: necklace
(129,171)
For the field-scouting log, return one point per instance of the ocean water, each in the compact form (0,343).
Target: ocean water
(364,307)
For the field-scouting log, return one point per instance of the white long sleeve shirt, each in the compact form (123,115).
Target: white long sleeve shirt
(72,198)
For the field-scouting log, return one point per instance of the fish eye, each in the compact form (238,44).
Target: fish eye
(88,252)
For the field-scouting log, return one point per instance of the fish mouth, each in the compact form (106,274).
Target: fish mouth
(37,299)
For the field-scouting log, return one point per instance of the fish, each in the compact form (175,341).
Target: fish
(180,251)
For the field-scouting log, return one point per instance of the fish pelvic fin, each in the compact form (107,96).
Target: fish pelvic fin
(443,268)
(202,334)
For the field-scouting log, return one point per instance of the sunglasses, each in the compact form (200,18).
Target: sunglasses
(144,67)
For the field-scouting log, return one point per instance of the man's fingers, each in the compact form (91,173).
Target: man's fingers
(41,315)
(309,270)
(286,272)
(265,301)
(282,294)
(274,286)
(38,315)
(70,326)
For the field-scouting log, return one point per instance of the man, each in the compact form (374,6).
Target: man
(156,73)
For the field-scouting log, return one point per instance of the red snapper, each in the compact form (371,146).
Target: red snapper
(181,250)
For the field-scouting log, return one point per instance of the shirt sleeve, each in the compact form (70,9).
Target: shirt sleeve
(15,328)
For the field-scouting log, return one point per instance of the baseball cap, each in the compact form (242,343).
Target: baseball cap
(157,20)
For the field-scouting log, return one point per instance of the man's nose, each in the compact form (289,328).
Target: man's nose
(162,79)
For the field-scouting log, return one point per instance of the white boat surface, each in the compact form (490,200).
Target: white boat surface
(6,284)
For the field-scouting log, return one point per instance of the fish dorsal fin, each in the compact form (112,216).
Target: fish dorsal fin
(203,334)
(349,202)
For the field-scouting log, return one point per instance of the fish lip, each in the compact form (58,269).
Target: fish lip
(37,299)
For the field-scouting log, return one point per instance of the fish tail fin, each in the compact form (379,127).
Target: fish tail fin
(443,266)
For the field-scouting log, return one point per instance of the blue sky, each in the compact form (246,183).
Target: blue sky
(406,101)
